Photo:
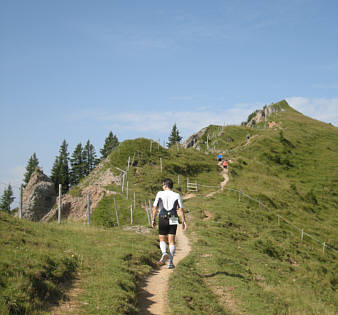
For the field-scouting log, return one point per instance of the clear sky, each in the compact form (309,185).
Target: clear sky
(77,69)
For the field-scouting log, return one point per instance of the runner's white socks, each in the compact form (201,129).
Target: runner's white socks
(163,246)
(171,252)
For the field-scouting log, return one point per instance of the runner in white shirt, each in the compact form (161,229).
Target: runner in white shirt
(169,205)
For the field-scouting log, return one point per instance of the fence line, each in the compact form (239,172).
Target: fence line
(124,174)
(278,215)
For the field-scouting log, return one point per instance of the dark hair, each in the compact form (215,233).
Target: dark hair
(168,182)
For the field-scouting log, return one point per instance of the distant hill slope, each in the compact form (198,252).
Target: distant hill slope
(246,262)
(241,260)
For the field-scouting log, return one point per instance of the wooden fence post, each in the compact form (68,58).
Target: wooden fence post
(59,205)
(302,235)
(116,212)
(88,208)
(151,212)
(134,200)
(123,181)
(278,219)
(131,214)
(178,179)
(128,164)
(20,203)
(324,245)
(147,212)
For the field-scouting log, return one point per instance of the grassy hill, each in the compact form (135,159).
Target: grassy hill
(242,262)
(39,262)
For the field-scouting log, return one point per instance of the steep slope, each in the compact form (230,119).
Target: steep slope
(41,262)
(241,261)
(241,258)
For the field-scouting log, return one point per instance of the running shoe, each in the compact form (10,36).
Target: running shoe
(163,259)
(171,265)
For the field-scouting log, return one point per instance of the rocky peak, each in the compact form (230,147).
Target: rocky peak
(262,115)
(38,197)
(192,141)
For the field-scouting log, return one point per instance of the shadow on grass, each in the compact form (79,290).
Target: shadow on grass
(235,275)
(144,297)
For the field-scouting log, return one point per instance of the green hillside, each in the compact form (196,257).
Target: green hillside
(240,255)
(40,261)
(241,262)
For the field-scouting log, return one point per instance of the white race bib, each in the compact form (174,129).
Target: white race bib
(173,220)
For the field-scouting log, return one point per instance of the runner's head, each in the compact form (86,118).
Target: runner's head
(167,182)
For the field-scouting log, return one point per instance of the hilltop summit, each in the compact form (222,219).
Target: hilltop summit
(263,115)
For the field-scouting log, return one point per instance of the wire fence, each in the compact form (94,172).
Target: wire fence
(190,187)
(279,217)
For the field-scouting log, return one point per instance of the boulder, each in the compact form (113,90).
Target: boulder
(192,141)
(39,196)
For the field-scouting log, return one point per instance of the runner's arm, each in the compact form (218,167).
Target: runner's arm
(181,214)
(155,209)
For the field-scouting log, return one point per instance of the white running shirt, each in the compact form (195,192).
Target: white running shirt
(169,198)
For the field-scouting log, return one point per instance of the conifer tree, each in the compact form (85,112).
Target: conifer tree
(89,158)
(60,171)
(77,165)
(32,164)
(6,199)
(174,136)
(110,144)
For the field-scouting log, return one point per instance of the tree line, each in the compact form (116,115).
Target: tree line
(69,170)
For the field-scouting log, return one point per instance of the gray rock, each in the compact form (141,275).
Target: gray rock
(39,196)
(192,141)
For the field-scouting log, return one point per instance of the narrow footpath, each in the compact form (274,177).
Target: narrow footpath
(224,174)
(153,296)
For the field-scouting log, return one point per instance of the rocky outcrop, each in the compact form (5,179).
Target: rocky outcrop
(264,114)
(192,141)
(38,197)
(74,203)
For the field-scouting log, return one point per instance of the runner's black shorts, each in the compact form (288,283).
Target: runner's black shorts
(164,228)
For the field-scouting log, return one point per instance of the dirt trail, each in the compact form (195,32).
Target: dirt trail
(71,303)
(225,175)
(153,296)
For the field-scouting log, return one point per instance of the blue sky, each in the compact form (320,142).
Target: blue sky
(76,70)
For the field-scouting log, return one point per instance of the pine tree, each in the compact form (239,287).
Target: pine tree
(89,158)
(55,173)
(174,136)
(6,199)
(110,144)
(32,164)
(60,171)
(77,165)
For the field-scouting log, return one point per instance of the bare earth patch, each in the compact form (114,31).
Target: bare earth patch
(153,296)
(70,303)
